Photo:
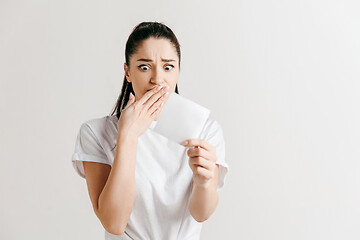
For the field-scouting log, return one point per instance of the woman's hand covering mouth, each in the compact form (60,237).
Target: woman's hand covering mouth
(155,87)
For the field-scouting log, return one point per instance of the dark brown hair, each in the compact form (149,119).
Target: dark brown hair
(140,33)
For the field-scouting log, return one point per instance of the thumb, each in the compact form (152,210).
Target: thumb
(131,100)
(132,97)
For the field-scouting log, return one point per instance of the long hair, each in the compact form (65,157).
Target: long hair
(140,33)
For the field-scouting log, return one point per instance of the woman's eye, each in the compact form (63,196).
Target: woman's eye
(169,66)
(143,67)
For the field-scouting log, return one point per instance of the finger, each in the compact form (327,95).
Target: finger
(157,111)
(148,94)
(206,174)
(202,162)
(199,152)
(131,101)
(158,105)
(155,97)
(192,166)
(198,142)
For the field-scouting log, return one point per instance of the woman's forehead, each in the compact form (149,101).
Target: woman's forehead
(155,49)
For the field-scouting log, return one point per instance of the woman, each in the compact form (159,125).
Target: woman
(142,185)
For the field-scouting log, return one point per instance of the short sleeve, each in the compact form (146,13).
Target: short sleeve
(87,148)
(213,134)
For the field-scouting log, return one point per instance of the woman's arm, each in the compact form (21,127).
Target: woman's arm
(204,199)
(202,161)
(114,202)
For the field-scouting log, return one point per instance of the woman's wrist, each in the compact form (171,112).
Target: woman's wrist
(126,137)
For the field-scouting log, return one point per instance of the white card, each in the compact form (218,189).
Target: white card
(181,119)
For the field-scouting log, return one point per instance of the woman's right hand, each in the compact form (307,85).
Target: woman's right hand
(137,116)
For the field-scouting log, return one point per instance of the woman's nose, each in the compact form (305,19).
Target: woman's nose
(157,77)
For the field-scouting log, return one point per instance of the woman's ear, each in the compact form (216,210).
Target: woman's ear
(126,70)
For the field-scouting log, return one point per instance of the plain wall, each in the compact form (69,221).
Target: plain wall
(281,77)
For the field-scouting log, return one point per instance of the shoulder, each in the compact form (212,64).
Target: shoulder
(101,127)
(100,123)
(97,122)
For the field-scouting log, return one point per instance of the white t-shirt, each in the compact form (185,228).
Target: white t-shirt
(163,177)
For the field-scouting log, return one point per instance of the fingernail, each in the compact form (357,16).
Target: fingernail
(158,88)
(167,88)
(184,143)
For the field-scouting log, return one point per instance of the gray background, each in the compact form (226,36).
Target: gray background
(281,77)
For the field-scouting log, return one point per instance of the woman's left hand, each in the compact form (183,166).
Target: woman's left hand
(202,161)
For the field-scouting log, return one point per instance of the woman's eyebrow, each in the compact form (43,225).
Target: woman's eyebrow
(149,60)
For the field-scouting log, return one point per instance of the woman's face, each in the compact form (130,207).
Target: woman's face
(155,63)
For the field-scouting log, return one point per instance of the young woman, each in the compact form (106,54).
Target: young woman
(141,184)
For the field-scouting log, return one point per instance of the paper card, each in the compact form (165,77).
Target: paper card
(181,119)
